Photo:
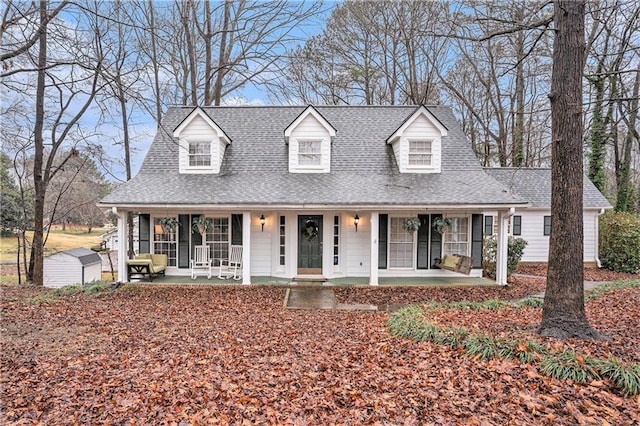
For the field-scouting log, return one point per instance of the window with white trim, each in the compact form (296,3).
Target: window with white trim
(283,240)
(455,239)
(165,241)
(420,152)
(218,238)
(400,245)
(336,240)
(199,154)
(309,152)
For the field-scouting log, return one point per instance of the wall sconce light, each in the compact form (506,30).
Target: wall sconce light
(262,220)
(356,220)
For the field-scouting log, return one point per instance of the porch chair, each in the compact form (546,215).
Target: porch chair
(455,263)
(232,267)
(201,262)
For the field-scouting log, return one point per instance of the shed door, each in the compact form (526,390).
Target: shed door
(310,245)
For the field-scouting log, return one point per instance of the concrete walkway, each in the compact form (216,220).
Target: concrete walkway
(319,298)
(588,285)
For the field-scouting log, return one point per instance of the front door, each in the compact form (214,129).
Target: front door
(309,245)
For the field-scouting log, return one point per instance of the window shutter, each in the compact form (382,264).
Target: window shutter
(144,228)
(436,242)
(184,230)
(236,229)
(383,221)
(423,241)
(476,240)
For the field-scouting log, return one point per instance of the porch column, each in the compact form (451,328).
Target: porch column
(246,248)
(122,245)
(503,244)
(373,275)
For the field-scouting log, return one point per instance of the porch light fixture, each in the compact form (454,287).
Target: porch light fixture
(356,220)
(262,220)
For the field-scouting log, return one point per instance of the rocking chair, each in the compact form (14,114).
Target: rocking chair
(201,262)
(232,267)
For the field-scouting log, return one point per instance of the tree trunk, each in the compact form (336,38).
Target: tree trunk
(35,273)
(563,313)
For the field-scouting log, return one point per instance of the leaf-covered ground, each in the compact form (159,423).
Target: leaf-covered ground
(234,355)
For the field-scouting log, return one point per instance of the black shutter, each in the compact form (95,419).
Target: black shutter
(196,237)
(476,240)
(423,241)
(236,229)
(144,227)
(184,230)
(436,242)
(383,222)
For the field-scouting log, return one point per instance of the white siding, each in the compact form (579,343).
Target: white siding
(62,269)
(356,253)
(261,244)
(420,128)
(310,129)
(537,249)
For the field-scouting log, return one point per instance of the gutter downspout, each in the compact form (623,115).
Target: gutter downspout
(597,247)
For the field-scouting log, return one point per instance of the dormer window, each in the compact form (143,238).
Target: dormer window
(199,154)
(420,152)
(417,144)
(202,144)
(309,137)
(309,152)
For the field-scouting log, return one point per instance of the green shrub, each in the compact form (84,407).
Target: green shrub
(620,242)
(567,365)
(515,250)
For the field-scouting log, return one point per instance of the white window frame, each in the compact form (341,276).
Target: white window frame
(318,153)
(218,246)
(390,243)
(167,246)
(194,155)
(428,153)
(447,236)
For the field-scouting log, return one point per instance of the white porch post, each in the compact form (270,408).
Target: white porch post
(503,242)
(122,245)
(246,248)
(373,275)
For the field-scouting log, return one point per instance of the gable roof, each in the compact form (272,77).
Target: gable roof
(254,171)
(534,185)
(421,110)
(310,110)
(84,255)
(199,112)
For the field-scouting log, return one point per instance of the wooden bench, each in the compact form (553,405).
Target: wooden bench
(455,263)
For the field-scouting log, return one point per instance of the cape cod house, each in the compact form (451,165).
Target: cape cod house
(315,191)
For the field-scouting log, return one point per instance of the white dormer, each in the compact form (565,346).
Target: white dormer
(309,138)
(202,144)
(417,144)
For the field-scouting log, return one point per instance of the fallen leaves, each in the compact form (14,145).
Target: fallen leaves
(233,355)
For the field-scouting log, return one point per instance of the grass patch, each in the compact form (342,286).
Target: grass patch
(90,289)
(57,241)
(411,323)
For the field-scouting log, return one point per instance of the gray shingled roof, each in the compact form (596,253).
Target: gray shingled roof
(363,168)
(534,185)
(84,255)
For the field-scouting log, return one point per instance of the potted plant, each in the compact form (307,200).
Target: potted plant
(201,224)
(411,224)
(169,224)
(441,224)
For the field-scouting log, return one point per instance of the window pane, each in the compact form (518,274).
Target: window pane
(165,242)
(199,154)
(456,237)
(420,153)
(309,153)
(400,245)
(218,239)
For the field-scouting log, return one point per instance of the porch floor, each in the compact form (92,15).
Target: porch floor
(347,281)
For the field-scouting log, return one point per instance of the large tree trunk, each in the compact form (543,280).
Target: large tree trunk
(563,313)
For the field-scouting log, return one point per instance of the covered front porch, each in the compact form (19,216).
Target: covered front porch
(336,246)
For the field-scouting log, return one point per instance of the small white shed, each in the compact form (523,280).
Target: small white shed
(75,266)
